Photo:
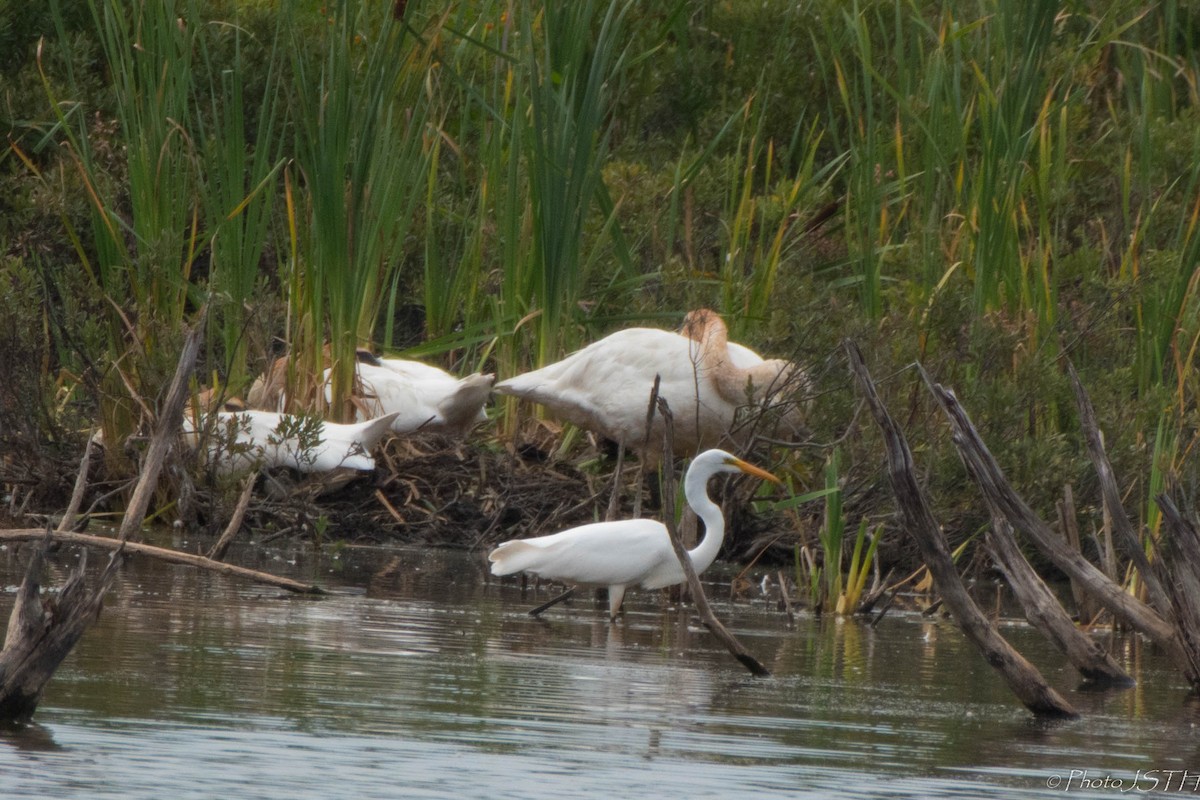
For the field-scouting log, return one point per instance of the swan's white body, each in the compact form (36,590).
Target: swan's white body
(253,439)
(420,396)
(705,378)
(635,552)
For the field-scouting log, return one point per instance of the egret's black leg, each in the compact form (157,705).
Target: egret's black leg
(533,612)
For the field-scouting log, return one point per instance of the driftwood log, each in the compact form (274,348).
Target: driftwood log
(1041,607)
(163,554)
(1047,615)
(42,632)
(1023,678)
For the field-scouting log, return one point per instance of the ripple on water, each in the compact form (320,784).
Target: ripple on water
(434,683)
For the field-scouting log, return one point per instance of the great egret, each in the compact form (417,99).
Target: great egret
(605,386)
(632,552)
(252,439)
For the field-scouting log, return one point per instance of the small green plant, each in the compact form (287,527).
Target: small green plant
(828,585)
(320,527)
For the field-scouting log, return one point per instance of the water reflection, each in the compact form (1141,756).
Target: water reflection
(420,677)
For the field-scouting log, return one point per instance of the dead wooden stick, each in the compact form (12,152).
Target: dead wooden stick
(552,602)
(614,499)
(1022,677)
(235,522)
(1110,494)
(42,631)
(169,418)
(163,554)
(689,571)
(1182,559)
(1085,606)
(1041,607)
(1047,615)
(995,486)
(85,464)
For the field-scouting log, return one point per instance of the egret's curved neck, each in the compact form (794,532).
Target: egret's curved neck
(695,488)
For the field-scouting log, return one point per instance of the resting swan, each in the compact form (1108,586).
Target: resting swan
(419,396)
(242,439)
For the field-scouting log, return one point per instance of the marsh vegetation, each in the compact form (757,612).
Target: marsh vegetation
(982,187)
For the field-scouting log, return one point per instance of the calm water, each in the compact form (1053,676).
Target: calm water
(429,681)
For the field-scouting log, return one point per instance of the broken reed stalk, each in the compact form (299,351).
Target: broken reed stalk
(1110,494)
(1041,607)
(85,465)
(1022,677)
(1182,569)
(705,611)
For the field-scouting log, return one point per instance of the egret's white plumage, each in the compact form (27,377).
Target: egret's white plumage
(252,439)
(634,552)
(704,377)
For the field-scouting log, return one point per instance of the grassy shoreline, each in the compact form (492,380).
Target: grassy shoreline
(982,187)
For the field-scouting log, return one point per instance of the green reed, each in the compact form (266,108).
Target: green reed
(477,203)
(573,70)
(829,585)
(361,155)
(762,209)
(146,233)
(241,155)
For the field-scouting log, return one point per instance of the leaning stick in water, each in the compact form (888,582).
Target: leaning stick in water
(1041,607)
(235,522)
(693,581)
(1022,677)
(169,418)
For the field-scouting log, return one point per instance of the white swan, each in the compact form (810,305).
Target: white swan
(705,378)
(422,397)
(242,439)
